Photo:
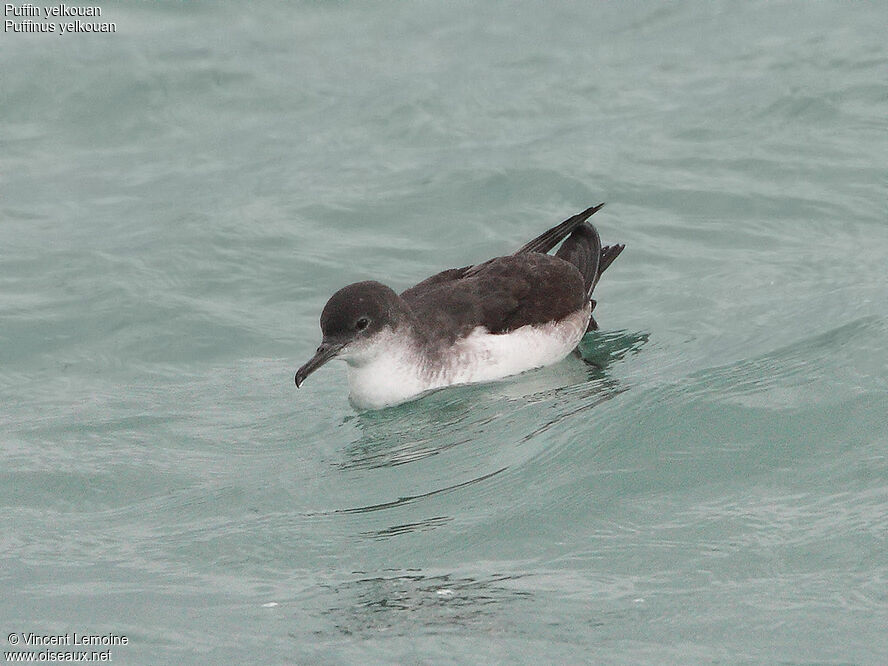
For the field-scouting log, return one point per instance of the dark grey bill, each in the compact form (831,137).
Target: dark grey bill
(325,352)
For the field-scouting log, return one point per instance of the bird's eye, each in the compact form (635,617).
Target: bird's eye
(362,323)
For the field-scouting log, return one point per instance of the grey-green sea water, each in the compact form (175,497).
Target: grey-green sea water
(179,198)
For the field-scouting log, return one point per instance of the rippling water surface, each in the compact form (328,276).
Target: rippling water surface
(179,199)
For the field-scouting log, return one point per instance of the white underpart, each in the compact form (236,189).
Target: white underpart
(390,368)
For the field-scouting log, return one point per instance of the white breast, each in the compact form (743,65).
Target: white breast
(399,371)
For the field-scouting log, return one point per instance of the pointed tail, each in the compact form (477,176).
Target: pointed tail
(583,249)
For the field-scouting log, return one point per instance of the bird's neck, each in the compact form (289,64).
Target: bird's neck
(396,370)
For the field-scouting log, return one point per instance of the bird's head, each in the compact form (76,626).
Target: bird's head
(352,323)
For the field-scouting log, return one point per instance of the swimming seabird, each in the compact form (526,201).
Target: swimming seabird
(464,325)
